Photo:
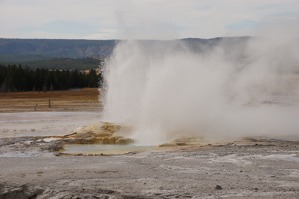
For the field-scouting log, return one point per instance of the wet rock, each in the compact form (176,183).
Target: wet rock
(106,191)
(124,141)
(99,133)
(181,143)
(218,187)
(132,197)
(2,186)
(57,146)
(106,140)
(167,145)
(112,140)
(22,192)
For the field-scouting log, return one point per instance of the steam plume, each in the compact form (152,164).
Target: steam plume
(227,89)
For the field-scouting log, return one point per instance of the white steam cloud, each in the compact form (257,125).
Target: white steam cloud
(235,88)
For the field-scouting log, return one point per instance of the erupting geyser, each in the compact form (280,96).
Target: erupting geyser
(235,88)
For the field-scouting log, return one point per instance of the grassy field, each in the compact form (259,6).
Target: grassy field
(86,99)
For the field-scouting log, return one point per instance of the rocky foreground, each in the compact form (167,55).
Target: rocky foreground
(32,168)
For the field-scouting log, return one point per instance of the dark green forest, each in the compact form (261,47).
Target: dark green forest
(56,63)
(18,78)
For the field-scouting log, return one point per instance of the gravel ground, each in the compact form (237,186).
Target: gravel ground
(256,169)
(33,168)
(44,123)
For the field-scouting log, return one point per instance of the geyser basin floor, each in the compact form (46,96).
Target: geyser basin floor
(258,169)
(43,123)
(105,149)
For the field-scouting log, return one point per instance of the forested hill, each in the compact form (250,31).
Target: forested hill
(55,53)
(34,49)
(79,54)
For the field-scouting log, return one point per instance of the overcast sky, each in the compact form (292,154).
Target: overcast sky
(147,19)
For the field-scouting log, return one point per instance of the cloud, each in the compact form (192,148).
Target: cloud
(143,18)
(241,25)
(62,27)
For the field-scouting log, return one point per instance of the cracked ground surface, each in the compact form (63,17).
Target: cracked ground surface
(32,168)
(256,169)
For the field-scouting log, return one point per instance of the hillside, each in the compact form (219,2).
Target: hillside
(83,54)
(64,63)
(55,53)
(50,48)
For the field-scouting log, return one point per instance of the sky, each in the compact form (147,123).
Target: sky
(141,19)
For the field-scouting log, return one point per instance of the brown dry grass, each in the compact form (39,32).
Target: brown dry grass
(71,100)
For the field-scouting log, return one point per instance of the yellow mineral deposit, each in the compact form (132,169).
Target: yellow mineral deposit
(101,133)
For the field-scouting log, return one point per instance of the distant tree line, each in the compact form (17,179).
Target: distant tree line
(61,63)
(18,78)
